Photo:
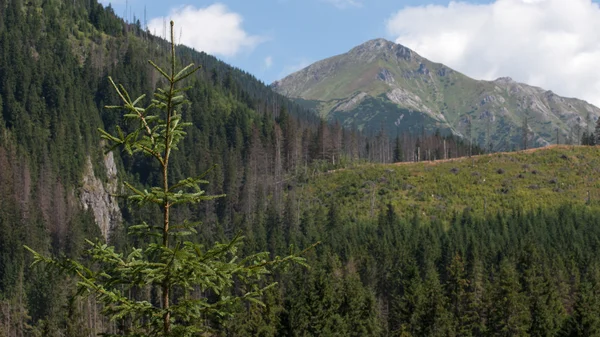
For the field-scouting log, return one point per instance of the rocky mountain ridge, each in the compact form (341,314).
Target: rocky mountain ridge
(380,84)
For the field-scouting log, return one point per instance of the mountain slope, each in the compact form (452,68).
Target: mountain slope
(55,58)
(500,182)
(383,84)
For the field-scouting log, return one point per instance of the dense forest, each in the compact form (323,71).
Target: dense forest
(511,273)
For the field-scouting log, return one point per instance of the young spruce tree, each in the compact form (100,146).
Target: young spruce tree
(181,271)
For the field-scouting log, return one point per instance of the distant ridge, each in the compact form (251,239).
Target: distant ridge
(382,84)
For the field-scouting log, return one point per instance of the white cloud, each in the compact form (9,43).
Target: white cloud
(214,29)
(553,44)
(344,3)
(268,62)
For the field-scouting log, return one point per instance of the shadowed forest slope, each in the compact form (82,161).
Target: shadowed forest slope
(502,244)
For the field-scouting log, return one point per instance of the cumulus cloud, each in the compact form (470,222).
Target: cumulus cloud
(213,29)
(341,4)
(553,44)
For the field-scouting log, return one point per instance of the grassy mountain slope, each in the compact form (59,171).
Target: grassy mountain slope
(526,181)
(401,80)
(382,278)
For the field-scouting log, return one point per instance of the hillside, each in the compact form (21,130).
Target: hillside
(382,268)
(56,185)
(464,247)
(383,84)
(438,190)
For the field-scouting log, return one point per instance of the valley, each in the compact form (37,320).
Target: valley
(370,194)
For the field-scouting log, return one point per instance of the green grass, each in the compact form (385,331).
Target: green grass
(528,180)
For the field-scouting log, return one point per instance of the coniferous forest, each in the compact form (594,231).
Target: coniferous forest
(505,271)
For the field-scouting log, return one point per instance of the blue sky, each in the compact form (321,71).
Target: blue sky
(550,43)
(294,32)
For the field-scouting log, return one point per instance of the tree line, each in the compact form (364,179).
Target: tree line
(389,277)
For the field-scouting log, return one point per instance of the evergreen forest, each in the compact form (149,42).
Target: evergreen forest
(396,246)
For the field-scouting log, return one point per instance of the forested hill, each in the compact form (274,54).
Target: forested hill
(386,266)
(55,59)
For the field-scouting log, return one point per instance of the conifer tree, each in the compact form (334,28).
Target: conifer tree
(585,320)
(458,285)
(525,132)
(398,154)
(469,131)
(181,271)
(509,316)
(407,307)
(597,132)
(436,320)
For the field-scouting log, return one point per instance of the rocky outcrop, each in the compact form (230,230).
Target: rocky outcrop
(101,197)
(444,71)
(408,99)
(370,51)
(386,76)
(352,102)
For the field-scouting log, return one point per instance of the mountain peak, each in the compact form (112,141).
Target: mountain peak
(379,47)
(504,80)
(380,83)
(376,43)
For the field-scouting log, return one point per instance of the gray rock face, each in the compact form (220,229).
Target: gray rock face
(100,198)
(371,49)
(352,103)
(408,99)
(423,69)
(386,76)
(444,71)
